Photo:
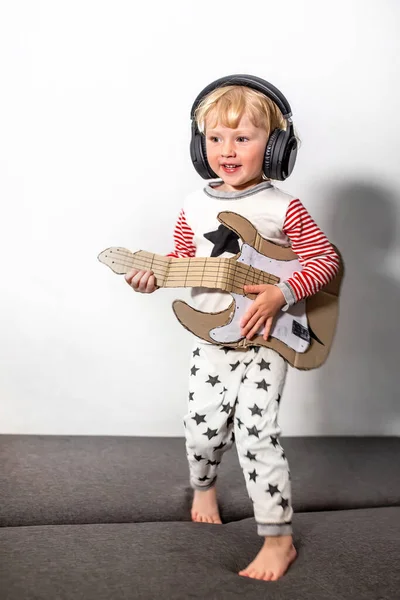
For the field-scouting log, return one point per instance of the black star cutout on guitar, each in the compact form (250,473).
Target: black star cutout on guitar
(224,240)
(193,370)
(196,352)
(226,408)
(234,366)
(274,441)
(213,463)
(198,457)
(203,478)
(191,394)
(250,456)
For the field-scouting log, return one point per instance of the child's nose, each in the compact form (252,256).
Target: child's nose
(227,149)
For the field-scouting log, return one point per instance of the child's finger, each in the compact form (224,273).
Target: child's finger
(267,329)
(251,311)
(143,280)
(250,323)
(255,328)
(254,289)
(151,284)
(135,282)
(130,275)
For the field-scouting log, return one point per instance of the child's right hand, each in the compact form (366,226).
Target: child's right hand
(141,281)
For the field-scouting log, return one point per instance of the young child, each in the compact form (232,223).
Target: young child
(234,395)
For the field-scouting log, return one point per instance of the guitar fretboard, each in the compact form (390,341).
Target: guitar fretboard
(226,274)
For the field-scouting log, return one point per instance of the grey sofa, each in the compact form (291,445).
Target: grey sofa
(109,518)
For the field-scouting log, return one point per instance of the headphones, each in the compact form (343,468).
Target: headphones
(281,149)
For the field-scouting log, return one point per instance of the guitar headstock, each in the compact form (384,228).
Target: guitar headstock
(118,259)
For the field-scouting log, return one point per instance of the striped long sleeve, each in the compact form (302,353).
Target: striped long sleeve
(183,239)
(316,254)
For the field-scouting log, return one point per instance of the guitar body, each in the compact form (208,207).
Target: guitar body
(303,335)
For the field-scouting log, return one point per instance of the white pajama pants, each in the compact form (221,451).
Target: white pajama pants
(234,395)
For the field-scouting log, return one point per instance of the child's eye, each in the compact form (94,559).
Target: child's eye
(242,139)
(213,138)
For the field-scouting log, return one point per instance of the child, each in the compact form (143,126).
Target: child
(234,395)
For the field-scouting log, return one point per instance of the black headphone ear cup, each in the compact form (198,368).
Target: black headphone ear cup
(270,154)
(280,154)
(289,157)
(203,149)
(198,154)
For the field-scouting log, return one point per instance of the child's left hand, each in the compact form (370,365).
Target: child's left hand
(263,310)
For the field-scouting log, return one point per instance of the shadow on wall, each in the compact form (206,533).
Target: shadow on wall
(359,384)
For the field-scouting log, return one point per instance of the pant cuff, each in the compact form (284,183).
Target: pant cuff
(274,529)
(203,488)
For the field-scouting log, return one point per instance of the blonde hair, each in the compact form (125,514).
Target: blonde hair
(227,104)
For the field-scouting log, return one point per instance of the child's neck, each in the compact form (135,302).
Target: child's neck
(226,187)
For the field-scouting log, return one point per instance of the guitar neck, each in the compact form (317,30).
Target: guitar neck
(226,274)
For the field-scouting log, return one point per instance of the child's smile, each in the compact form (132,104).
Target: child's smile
(231,168)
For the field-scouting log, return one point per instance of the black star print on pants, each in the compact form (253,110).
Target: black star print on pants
(224,240)
(199,418)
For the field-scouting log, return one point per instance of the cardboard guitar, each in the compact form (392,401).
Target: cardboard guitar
(303,335)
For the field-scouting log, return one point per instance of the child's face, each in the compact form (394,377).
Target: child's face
(242,148)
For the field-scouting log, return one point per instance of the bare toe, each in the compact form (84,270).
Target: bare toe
(259,575)
(205,507)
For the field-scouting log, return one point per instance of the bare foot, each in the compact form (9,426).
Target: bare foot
(205,506)
(273,559)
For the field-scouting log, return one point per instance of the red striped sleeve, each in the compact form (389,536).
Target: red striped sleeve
(317,256)
(183,239)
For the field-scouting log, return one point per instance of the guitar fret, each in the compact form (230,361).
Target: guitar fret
(202,274)
(187,272)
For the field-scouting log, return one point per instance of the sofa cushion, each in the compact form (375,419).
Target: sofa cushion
(343,555)
(90,479)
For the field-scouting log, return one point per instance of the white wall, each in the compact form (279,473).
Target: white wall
(94,133)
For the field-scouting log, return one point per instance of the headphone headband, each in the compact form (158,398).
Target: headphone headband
(251,81)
